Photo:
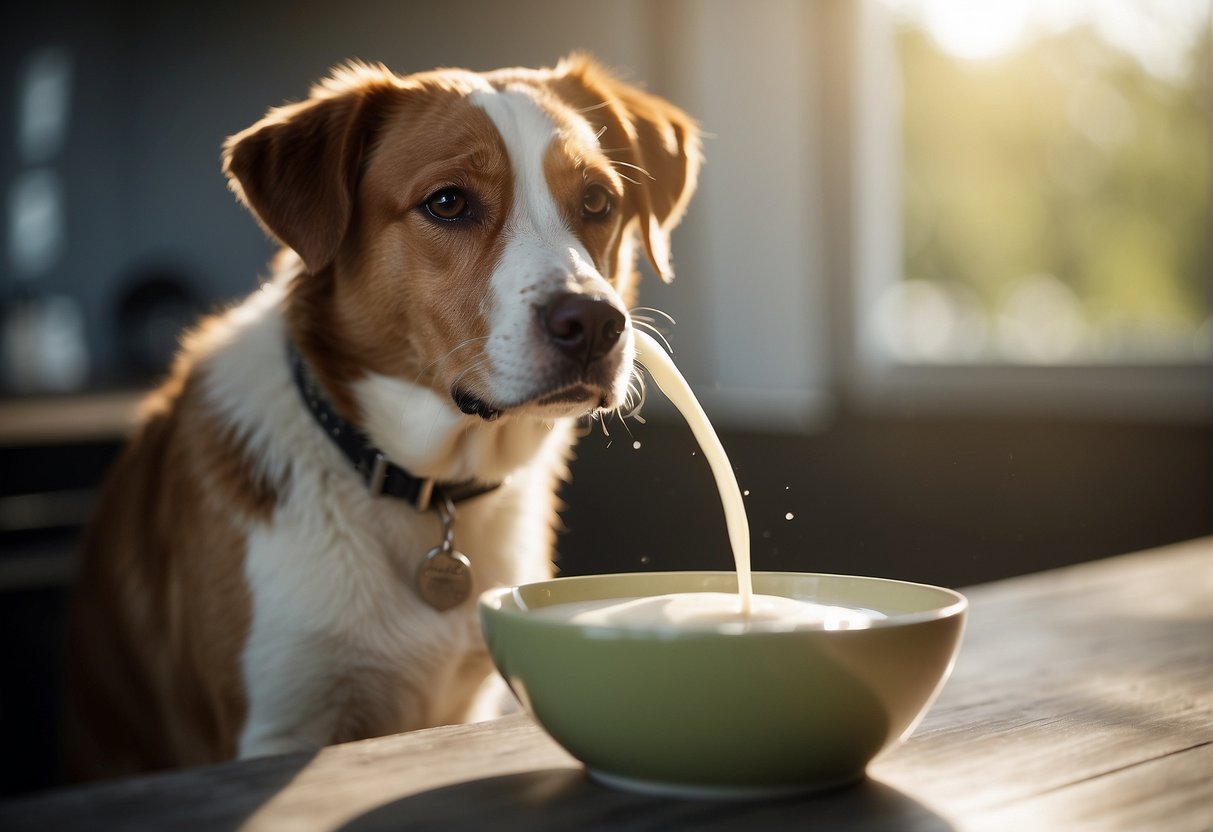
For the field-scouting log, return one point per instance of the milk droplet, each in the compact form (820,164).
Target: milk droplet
(746,492)
(644,559)
(788,516)
(636,445)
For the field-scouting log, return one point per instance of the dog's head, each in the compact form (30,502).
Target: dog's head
(474,233)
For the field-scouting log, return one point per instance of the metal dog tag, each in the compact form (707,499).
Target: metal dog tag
(445,578)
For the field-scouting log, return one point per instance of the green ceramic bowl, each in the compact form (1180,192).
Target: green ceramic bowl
(714,712)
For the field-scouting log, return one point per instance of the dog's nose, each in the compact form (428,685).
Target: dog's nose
(584,328)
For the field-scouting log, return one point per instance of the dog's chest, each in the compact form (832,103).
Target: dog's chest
(340,562)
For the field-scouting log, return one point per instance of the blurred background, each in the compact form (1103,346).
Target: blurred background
(945,287)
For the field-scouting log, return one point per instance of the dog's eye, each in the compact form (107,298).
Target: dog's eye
(596,202)
(447,204)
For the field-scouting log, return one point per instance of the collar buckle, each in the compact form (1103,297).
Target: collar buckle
(425,491)
(378,475)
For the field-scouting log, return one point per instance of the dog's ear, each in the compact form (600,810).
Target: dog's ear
(656,145)
(297,169)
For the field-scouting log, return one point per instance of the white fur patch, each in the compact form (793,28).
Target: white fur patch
(423,431)
(542,256)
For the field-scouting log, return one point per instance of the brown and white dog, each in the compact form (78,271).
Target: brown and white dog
(459,261)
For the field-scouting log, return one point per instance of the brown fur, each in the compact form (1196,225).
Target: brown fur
(160,621)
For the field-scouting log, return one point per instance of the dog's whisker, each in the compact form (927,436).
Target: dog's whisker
(475,366)
(645,321)
(594,107)
(627,427)
(649,323)
(637,387)
(665,315)
(646,325)
(446,355)
(585,426)
(637,384)
(620,163)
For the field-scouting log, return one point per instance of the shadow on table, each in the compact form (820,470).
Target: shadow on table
(562,799)
(180,800)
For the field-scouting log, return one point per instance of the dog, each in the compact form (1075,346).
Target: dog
(288,551)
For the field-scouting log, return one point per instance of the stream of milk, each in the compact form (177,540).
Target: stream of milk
(706,609)
(661,367)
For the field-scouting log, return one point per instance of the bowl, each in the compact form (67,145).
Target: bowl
(731,711)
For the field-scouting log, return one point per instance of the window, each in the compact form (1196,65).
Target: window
(1034,182)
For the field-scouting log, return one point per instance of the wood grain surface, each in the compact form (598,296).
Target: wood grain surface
(1082,699)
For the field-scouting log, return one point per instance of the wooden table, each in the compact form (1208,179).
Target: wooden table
(1082,699)
(80,417)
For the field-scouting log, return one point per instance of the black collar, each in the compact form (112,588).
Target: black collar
(380,475)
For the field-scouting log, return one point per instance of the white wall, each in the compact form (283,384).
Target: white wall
(749,298)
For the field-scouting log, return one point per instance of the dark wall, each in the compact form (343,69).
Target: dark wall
(946,501)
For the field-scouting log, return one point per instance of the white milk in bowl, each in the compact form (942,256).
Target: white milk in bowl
(720,611)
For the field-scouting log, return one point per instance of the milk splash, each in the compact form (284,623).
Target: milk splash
(671,382)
